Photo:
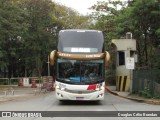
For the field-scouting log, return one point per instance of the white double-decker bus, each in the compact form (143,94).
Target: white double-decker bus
(80,62)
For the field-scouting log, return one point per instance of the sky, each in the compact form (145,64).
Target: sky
(79,5)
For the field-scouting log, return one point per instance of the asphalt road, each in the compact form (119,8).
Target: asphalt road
(47,102)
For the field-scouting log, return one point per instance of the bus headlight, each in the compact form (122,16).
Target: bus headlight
(61,86)
(57,87)
(100,88)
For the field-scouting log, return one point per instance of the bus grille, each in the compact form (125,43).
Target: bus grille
(80,92)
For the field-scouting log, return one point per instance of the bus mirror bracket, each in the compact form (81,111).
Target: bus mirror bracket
(107,58)
(52,57)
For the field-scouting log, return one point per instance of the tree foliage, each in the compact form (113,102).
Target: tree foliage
(105,14)
(29,32)
(141,17)
(143,22)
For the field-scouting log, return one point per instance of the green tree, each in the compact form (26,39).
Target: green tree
(38,40)
(141,17)
(29,32)
(70,18)
(12,28)
(104,16)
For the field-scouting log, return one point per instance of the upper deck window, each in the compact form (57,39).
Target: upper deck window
(80,41)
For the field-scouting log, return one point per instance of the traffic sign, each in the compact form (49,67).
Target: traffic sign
(130,63)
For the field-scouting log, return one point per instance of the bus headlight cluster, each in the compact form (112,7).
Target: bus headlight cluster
(61,86)
(100,88)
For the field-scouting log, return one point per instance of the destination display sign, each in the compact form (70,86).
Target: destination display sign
(80,50)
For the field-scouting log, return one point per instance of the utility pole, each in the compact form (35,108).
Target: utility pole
(48,66)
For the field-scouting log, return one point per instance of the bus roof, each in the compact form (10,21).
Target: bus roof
(79,30)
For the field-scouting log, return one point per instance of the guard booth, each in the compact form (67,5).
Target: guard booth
(125,54)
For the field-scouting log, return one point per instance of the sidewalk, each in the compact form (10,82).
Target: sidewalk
(16,93)
(127,95)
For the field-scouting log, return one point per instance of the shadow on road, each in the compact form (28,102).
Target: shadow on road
(72,102)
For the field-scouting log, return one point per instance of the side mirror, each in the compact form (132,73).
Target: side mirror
(52,57)
(107,58)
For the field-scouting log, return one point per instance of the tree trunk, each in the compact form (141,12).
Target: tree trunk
(145,49)
(139,52)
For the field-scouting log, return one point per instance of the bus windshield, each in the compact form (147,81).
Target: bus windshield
(71,40)
(80,72)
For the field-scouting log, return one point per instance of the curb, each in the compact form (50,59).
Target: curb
(155,102)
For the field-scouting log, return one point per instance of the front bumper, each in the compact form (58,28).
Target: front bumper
(64,95)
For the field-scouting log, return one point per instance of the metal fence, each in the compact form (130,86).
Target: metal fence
(147,82)
(15,81)
(9,85)
(4,81)
(10,81)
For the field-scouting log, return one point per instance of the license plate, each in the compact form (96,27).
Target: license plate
(79,98)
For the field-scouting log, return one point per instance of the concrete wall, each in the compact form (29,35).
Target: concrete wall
(125,44)
(124,80)
(122,71)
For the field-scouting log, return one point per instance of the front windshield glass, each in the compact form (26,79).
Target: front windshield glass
(75,71)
